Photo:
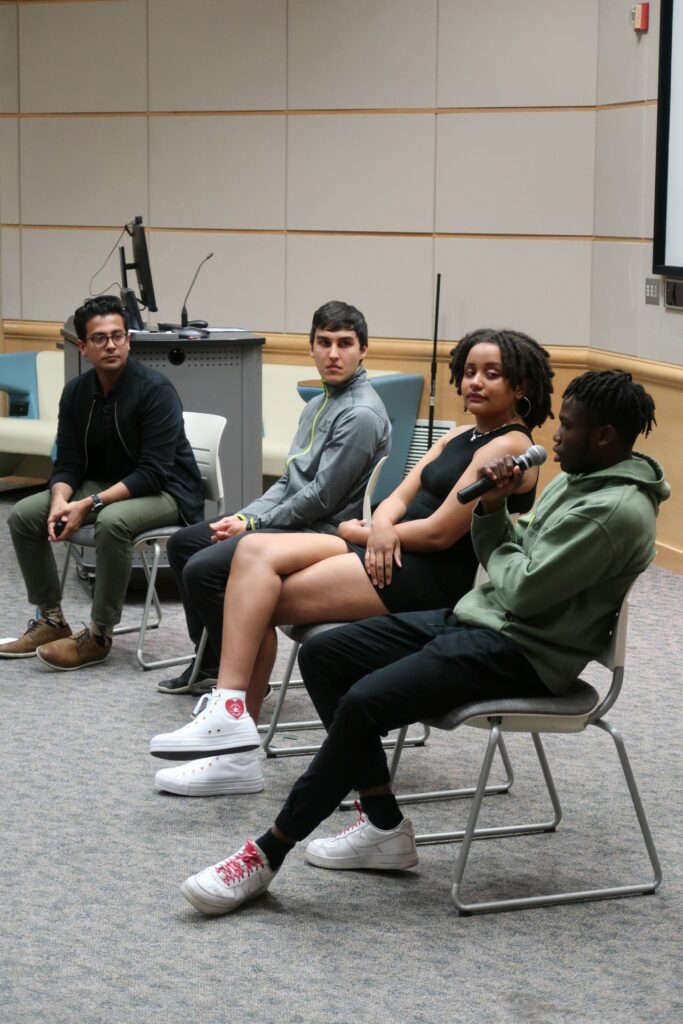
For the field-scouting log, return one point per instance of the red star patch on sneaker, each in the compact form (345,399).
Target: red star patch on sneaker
(234,707)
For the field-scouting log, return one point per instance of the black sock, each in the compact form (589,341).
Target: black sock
(382,811)
(275,849)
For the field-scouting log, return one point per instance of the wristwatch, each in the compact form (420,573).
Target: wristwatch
(97,503)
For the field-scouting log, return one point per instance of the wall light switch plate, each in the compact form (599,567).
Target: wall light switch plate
(652,291)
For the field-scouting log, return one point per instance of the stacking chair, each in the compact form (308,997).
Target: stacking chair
(204,432)
(572,712)
(299,635)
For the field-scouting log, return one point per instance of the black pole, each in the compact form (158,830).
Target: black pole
(432,388)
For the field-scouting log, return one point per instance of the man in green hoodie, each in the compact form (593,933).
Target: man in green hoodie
(556,580)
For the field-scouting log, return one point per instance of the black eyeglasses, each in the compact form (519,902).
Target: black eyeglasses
(100,340)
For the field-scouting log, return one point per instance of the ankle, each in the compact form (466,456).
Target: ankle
(101,634)
(382,811)
(274,848)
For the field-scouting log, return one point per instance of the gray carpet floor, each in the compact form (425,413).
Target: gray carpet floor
(93,927)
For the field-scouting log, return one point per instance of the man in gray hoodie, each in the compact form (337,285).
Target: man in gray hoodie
(342,434)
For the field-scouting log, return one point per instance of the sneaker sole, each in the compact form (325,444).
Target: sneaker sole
(374,862)
(197,898)
(172,689)
(72,668)
(194,753)
(30,654)
(214,789)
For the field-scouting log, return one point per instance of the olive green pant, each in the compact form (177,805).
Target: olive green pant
(115,528)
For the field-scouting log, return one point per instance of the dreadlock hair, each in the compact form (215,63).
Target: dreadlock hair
(613,397)
(523,360)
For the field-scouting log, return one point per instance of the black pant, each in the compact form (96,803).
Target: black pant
(382,673)
(201,571)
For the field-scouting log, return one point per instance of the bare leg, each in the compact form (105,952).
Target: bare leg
(253,592)
(335,588)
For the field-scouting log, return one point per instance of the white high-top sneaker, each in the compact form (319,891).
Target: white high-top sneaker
(224,727)
(213,776)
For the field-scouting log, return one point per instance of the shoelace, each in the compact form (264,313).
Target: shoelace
(32,624)
(241,864)
(83,637)
(360,820)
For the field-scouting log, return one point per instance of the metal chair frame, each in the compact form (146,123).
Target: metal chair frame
(570,713)
(204,431)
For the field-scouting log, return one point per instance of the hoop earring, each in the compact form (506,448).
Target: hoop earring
(528,408)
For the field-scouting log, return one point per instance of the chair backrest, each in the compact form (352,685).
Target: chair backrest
(370,489)
(50,376)
(204,432)
(401,395)
(614,658)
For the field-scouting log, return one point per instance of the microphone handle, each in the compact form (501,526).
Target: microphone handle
(483,486)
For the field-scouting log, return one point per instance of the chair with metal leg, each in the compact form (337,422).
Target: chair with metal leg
(204,432)
(572,712)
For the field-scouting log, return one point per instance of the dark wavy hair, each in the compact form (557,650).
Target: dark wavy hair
(101,305)
(524,361)
(340,316)
(613,397)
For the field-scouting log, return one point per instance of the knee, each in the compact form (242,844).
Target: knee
(312,659)
(253,548)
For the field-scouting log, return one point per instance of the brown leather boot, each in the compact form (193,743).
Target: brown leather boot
(40,631)
(77,651)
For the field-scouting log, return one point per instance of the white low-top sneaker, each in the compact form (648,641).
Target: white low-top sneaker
(213,776)
(226,886)
(224,727)
(361,845)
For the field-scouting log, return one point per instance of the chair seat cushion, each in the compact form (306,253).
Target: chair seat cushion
(85,537)
(21,436)
(299,634)
(578,702)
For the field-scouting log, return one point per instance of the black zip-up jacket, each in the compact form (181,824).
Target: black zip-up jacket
(148,419)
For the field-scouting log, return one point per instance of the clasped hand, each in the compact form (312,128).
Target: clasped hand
(70,513)
(228,526)
(382,548)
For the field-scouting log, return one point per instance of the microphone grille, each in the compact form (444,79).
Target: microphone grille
(536,455)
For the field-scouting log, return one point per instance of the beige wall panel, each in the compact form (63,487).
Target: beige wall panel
(540,287)
(83,170)
(526,53)
(359,54)
(243,285)
(618,294)
(10,279)
(217,54)
(9,60)
(361,173)
(619,187)
(57,267)
(648,157)
(9,171)
(516,173)
(628,60)
(220,172)
(83,56)
(389,279)
(660,329)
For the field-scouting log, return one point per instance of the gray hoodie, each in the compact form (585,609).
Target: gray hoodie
(342,434)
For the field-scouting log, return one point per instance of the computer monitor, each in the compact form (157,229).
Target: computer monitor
(143,274)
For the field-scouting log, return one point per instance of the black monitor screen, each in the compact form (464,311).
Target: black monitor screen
(668,228)
(140,265)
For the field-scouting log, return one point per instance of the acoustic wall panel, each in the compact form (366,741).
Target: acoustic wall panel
(390,279)
(242,285)
(83,170)
(9,59)
(526,53)
(361,172)
(358,54)
(541,287)
(10,273)
(628,61)
(510,173)
(96,54)
(619,196)
(217,54)
(9,171)
(217,172)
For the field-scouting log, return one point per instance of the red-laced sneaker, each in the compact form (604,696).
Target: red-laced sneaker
(362,846)
(224,887)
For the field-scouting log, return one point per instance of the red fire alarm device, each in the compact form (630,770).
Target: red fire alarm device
(641,17)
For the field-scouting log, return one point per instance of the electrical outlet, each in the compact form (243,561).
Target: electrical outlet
(652,291)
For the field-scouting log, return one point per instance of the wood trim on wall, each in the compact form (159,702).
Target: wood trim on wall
(663,380)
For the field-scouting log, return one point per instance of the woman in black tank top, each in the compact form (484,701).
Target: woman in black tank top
(417,553)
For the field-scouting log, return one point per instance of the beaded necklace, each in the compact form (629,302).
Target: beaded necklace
(476,434)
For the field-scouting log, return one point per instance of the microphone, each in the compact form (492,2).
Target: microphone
(534,456)
(183,312)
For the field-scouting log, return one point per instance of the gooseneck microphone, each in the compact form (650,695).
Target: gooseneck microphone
(534,456)
(183,312)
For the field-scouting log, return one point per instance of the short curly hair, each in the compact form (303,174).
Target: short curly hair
(524,361)
(100,305)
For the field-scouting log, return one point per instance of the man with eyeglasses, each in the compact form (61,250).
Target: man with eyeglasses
(124,463)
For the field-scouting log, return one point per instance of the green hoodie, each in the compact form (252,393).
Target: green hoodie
(559,575)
